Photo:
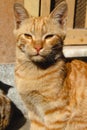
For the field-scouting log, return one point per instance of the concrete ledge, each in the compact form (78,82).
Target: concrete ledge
(75,51)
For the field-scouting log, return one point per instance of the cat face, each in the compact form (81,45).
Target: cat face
(40,38)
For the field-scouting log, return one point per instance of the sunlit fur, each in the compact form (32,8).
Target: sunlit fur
(54,92)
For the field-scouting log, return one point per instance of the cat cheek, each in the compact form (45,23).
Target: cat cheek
(30,50)
(42,51)
(45,51)
(49,43)
(21,47)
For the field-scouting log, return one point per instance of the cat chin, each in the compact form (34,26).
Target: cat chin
(37,58)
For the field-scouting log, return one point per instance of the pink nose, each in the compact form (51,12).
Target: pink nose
(38,48)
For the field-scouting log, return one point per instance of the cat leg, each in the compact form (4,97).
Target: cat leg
(56,118)
(49,115)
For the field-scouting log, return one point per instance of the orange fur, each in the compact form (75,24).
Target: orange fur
(54,92)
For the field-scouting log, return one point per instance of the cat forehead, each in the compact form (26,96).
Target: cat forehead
(40,19)
(37,21)
(38,26)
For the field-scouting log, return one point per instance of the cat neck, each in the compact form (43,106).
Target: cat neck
(39,78)
(42,79)
(33,71)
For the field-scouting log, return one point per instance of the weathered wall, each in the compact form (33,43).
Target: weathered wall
(7,42)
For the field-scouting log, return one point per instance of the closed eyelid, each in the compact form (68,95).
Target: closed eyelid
(27,35)
(48,36)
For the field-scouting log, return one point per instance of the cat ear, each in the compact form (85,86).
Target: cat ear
(60,13)
(20,13)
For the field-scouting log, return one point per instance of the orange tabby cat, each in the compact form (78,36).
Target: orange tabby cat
(54,93)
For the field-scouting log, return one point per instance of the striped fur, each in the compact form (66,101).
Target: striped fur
(5,110)
(54,92)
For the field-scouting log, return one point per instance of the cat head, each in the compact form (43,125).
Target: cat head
(40,39)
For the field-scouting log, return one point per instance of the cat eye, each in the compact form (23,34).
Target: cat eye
(49,36)
(28,36)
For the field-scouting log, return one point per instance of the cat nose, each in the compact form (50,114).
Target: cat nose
(38,48)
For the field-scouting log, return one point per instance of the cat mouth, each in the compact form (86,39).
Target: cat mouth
(37,58)
(43,61)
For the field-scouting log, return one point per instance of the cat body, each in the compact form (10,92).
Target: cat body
(52,90)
